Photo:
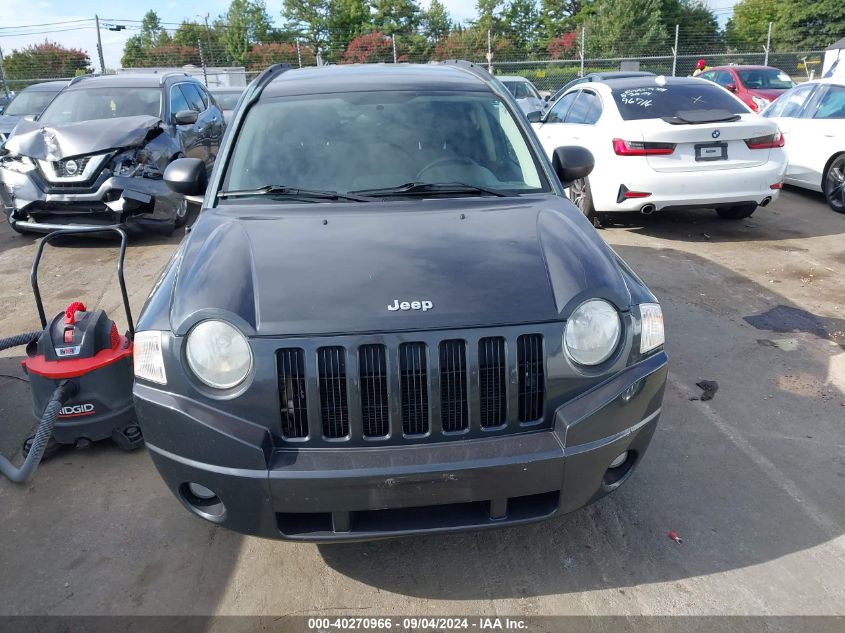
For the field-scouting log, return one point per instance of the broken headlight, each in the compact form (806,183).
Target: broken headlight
(20,164)
(135,164)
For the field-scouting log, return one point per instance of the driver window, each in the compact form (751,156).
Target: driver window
(794,101)
(558,112)
(724,78)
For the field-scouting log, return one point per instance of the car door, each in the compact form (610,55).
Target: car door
(216,123)
(551,130)
(205,124)
(187,136)
(788,113)
(824,122)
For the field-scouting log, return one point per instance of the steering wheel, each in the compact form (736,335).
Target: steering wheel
(448,160)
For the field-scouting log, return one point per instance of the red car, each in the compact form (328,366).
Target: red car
(757,86)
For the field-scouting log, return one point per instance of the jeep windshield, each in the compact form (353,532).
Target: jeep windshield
(86,104)
(384,144)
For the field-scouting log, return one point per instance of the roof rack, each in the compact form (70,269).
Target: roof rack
(76,80)
(476,69)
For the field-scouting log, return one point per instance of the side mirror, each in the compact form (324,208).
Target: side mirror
(570,163)
(187,176)
(185,117)
(731,87)
(535,117)
(547,97)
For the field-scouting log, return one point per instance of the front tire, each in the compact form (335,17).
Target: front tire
(833,184)
(582,197)
(737,212)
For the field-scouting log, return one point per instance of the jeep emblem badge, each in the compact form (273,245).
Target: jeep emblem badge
(423,305)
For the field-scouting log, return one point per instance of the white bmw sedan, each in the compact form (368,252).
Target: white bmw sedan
(666,142)
(812,119)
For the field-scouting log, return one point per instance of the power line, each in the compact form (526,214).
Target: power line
(27,26)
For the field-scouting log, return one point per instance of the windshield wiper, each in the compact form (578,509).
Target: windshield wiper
(292,192)
(423,188)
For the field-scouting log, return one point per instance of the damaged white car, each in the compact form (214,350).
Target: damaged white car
(96,155)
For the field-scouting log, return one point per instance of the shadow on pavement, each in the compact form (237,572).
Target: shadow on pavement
(722,474)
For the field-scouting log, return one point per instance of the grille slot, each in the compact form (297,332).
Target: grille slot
(413,379)
(531,380)
(372,368)
(331,365)
(453,385)
(492,381)
(291,366)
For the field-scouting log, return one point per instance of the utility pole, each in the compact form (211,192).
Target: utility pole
(583,48)
(202,62)
(768,45)
(3,75)
(298,53)
(393,40)
(489,52)
(675,52)
(100,46)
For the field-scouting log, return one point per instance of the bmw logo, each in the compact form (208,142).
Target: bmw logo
(716,134)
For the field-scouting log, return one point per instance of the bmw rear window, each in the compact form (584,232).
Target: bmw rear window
(653,101)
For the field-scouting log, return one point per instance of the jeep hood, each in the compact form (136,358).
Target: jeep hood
(335,268)
(55,142)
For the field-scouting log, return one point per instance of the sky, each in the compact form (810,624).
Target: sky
(15,14)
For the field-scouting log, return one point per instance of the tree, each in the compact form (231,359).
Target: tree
(310,19)
(563,46)
(805,25)
(395,17)
(372,47)
(559,16)
(698,27)
(247,23)
(172,55)
(347,19)
(436,23)
(520,24)
(625,27)
(747,29)
(263,55)
(471,44)
(488,15)
(136,51)
(152,32)
(46,61)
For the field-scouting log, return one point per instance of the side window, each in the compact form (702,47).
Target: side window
(586,110)
(724,78)
(794,101)
(710,75)
(178,103)
(832,104)
(558,112)
(193,96)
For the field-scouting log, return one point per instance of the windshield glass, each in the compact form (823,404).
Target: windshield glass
(521,89)
(87,104)
(357,141)
(765,79)
(227,100)
(30,102)
(655,102)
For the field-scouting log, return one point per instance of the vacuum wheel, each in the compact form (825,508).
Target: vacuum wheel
(128,438)
(52,447)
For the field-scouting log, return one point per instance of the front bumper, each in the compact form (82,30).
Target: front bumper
(31,204)
(365,493)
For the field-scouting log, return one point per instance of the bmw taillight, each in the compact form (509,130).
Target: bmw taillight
(641,148)
(770,141)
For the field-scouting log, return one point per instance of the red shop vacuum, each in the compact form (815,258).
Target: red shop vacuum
(80,371)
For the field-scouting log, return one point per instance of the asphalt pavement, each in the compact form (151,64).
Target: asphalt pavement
(752,481)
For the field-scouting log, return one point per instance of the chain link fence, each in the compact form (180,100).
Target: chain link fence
(219,61)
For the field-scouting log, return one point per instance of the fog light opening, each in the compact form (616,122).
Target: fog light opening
(619,470)
(202,501)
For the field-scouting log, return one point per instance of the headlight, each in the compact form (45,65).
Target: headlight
(218,354)
(20,164)
(760,102)
(592,332)
(652,335)
(147,357)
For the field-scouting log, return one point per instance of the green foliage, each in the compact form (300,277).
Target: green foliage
(310,20)
(436,23)
(747,29)
(560,16)
(521,25)
(247,23)
(46,61)
(626,28)
(263,55)
(806,25)
(471,44)
(698,26)
(347,19)
(396,17)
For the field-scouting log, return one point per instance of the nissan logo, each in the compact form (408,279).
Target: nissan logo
(716,134)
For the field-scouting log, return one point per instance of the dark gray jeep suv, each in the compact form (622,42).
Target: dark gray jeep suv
(97,154)
(388,319)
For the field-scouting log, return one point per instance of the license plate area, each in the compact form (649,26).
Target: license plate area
(711,151)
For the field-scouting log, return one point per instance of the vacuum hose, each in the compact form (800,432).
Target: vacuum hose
(62,394)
